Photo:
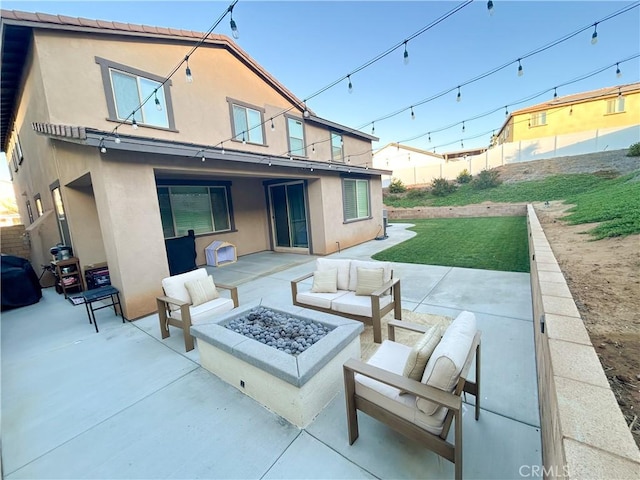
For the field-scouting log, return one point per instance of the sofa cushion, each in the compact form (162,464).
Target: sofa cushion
(392,356)
(420,353)
(353,271)
(446,362)
(341,265)
(369,280)
(325,281)
(356,304)
(321,300)
(201,290)
(203,313)
(174,286)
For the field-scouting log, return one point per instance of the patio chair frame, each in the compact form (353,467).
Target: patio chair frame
(452,401)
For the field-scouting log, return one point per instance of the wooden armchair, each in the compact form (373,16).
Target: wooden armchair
(178,308)
(379,389)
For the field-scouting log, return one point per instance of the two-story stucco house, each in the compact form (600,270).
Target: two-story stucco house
(232,155)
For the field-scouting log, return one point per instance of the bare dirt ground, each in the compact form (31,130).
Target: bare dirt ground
(604,279)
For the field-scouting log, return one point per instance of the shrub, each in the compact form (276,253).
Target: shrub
(417,193)
(634,150)
(464,177)
(486,179)
(396,186)
(441,187)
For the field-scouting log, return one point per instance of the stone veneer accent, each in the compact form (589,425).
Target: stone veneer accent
(584,434)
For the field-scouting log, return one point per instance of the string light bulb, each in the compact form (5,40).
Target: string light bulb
(520,70)
(158,106)
(273,127)
(222,148)
(103,149)
(429,137)
(203,158)
(305,112)
(413,115)
(490,7)
(232,23)
(594,36)
(618,72)
(187,72)
(459,96)
(350,86)
(313,147)
(555,92)
(244,140)
(134,124)
(117,139)
(463,126)
(373,128)
(506,111)
(406,54)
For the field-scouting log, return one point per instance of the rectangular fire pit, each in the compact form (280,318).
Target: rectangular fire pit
(296,387)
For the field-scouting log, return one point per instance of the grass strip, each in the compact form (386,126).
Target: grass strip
(488,243)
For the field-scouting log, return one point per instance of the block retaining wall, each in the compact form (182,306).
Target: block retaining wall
(584,434)
(14,242)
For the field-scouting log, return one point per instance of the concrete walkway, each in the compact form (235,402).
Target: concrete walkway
(123,403)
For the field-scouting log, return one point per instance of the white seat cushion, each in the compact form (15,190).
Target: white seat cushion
(174,286)
(322,300)
(353,272)
(446,361)
(343,266)
(392,356)
(357,304)
(203,312)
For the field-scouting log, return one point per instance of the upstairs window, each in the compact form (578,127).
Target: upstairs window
(615,105)
(29,212)
(39,209)
(246,122)
(355,196)
(202,209)
(295,128)
(126,88)
(18,150)
(537,119)
(337,147)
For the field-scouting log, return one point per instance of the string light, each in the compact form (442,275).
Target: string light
(429,137)
(203,158)
(555,92)
(103,149)
(373,128)
(406,54)
(273,127)
(117,139)
(618,72)
(222,148)
(413,115)
(490,7)
(187,72)
(459,96)
(313,148)
(244,140)
(134,124)
(305,112)
(520,71)
(594,36)
(463,126)
(158,106)
(232,23)
(506,111)
(350,86)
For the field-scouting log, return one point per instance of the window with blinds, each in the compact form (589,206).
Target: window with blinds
(356,199)
(201,209)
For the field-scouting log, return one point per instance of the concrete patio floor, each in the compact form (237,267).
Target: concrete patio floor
(123,403)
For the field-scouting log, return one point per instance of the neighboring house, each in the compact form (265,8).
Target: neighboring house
(406,163)
(597,112)
(8,208)
(282,180)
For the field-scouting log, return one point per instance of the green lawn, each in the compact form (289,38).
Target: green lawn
(488,243)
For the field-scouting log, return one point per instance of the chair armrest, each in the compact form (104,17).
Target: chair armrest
(304,277)
(391,283)
(172,301)
(446,399)
(233,290)
(414,327)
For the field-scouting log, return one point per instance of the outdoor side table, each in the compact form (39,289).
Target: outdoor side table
(101,293)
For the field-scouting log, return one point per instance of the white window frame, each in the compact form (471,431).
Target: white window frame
(296,152)
(252,132)
(363,209)
(337,136)
(616,105)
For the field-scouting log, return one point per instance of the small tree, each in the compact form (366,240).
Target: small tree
(486,179)
(396,186)
(441,187)
(634,150)
(464,177)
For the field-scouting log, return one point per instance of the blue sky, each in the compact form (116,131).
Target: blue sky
(310,45)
